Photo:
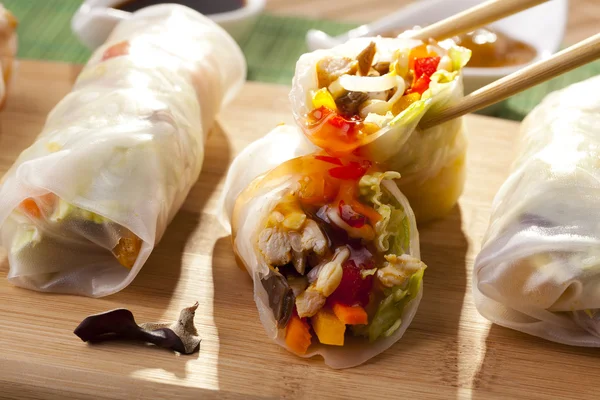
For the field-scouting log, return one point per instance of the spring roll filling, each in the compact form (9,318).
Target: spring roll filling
(337,249)
(357,97)
(51,217)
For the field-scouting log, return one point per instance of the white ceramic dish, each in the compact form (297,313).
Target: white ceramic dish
(95,19)
(542,27)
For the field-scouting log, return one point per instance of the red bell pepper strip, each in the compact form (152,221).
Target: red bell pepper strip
(420,85)
(426,66)
(353,171)
(423,69)
(329,159)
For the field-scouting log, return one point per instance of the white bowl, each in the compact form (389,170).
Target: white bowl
(542,27)
(95,19)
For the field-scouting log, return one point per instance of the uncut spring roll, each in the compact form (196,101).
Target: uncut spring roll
(8,49)
(539,269)
(331,245)
(367,96)
(83,207)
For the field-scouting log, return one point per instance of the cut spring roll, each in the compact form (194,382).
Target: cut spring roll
(539,269)
(83,207)
(331,245)
(367,96)
(8,49)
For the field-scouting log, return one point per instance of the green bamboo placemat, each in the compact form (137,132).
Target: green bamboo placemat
(271,49)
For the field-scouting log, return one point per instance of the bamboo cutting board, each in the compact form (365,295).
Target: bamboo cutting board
(449,351)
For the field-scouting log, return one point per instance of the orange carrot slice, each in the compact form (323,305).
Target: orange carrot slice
(116,50)
(297,335)
(29,207)
(350,315)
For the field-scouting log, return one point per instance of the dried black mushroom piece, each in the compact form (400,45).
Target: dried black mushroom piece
(281,297)
(365,59)
(180,336)
(349,103)
(382,67)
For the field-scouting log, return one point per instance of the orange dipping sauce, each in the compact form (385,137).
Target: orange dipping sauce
(492,49)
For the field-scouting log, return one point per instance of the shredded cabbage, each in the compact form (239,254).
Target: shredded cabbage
(392,232)
(460,56)
(26,235)
(388,317)
(64,210)
(441,81)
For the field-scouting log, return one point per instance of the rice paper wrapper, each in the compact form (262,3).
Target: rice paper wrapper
(539,269)
(245,216)
(119,153)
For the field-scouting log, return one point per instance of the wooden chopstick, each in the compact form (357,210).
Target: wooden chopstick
(474,17)
(575,56)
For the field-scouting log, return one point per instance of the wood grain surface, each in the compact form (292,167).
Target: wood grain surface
(449,351)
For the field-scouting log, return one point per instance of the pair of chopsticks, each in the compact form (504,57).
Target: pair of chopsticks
(575,56)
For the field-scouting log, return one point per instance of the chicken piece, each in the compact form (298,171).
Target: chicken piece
(330,69)
(398,269)
(275,246)
(324,278)
(309,302)
(313,239)
(281,246)
(310,239)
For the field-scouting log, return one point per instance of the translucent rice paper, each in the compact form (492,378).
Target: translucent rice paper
(8,49)
(539,269)
(126,144)
(431,162)
(247,215)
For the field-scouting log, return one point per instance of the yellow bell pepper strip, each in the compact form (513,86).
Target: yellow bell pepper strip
(329,329)
(322,98)
(405,101)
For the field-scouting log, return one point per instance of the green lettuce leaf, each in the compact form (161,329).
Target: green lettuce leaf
(388,317)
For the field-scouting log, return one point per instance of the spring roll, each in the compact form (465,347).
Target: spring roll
(331,245)
(367,97)
(8,49)
(83,207)
(538,271)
